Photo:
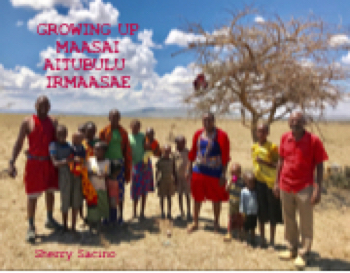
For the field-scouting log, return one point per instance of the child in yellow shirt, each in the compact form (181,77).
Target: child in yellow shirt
(265,157)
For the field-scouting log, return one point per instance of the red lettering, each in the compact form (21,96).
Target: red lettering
(75,30)
(125,81)
(39,253)
(66,61)
(120,29)
(116,46)
(86,29)
(52,28)
(108,31)
(48,64)
(72,81)
(61,27)
(41,33)
(123,63)
(106,46)
(82,82)
(93,82)
(133,28)
(86,48)
(107,83)
(57,80)
(114,82)
(96,45)
(59,46)
(89,64)
(74,47)
(49,82)
(92,29)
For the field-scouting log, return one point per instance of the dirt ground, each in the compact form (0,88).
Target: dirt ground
(144,245)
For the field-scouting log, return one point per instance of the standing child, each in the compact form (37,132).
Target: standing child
(90,138)
(248,206)
(234,188)
(183,185)
(152,144)
(76,167)
(99,170)
(142,174)
(265,157)
(71,196)
(166,179)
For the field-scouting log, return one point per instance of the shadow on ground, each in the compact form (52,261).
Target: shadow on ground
(131,231)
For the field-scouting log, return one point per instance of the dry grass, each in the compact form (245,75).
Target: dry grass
(145,245)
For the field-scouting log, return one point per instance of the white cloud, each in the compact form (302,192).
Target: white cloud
(19,23)
(45,4)
(97,12)
(180,38)
(339,40)
(259,20)
(346,59)
(148,88)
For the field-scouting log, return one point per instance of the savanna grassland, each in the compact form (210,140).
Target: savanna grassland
(144,245)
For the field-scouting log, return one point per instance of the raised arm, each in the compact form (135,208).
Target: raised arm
(23,132)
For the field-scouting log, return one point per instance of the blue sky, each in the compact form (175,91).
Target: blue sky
(158,79)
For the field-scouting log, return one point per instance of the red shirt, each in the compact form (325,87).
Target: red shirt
(300,159)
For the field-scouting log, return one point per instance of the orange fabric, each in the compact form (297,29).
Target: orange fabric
(154,146)
(88,148)
(106,135)
(75,168)
(89,191)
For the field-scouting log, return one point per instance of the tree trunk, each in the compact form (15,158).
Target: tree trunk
(253,127)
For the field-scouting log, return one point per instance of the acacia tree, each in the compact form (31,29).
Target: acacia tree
(265,70)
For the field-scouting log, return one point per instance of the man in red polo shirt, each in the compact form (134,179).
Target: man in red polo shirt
(300,153)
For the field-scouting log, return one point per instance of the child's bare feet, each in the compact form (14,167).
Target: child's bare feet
(228,237)
(192,227)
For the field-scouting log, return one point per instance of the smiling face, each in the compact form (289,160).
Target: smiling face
(42,106)
(297,122)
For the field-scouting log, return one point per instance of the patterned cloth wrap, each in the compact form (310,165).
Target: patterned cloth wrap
(142,179)
(76,167)
(204,159)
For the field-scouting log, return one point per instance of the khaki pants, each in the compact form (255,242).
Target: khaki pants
(301,202)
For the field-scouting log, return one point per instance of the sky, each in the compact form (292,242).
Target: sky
(158,79)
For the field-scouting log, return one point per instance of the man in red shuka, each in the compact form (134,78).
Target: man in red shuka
(39,175)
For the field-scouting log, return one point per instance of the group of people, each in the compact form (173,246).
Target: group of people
(94,169)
